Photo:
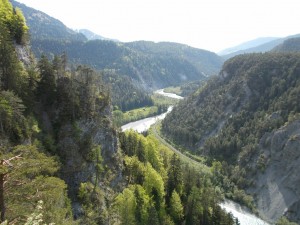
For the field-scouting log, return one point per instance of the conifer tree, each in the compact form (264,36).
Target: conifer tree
(46,89)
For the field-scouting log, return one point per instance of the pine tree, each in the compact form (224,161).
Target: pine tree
(25,178)
(46,90)
(176,208)
(175,179)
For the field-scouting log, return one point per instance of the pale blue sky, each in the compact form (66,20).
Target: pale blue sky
(207,24)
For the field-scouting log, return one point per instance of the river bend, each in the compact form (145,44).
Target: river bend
(244,217)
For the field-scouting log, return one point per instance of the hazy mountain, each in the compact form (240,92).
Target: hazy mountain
(90,35)
(247,45)
(148,64)
(289,45)
(205,61)
(248,117)
(43,26)
(268,46)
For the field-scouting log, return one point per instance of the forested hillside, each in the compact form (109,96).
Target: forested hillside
(239,117)
(204,61)
(150,70)
(55,133)
(163,191)
(150,65)
(125,94)
(61,160)
(44,27)
(26,170)
(290,45)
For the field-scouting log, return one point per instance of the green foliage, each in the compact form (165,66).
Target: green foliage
(121,118)
(146,149)
(96,151)
(202,208)
(153,64)
(93,204)
(226,118)
(154,69)
(190,87)
(36,217)
(12,74)
(176,208)
(161,191)
(186,89)
(161,104)
(175,179)
(46,89)
(36,21)
(12,120)
(125,204)
(284,221)
(124,93)
(36,102)
(81,94)
(13,20)
(175,90)
(219,103)
(289,45)
(154,186)
(134,205)
(30,180)
(143,202)
(163,101)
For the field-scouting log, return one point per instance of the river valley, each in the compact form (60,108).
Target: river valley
(243,215)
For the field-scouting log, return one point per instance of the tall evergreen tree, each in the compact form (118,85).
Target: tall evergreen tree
(46,90)
(175,179)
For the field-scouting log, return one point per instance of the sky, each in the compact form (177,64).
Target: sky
(207,24)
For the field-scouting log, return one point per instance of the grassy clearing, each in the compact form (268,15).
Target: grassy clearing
(175,90)
(163,100)
(161,104)
(121,118)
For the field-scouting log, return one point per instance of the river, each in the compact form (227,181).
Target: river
(170,95)
(144,124)
(243,215)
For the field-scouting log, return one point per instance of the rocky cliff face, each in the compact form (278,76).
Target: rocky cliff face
(76,142)
(23,53)
(277,188)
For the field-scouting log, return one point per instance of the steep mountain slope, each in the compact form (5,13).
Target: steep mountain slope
(150,65)
(43,26)
(290,45)
(247,45)
(248,117)
(61,161)
(147,70)
(204,61)
(261,48)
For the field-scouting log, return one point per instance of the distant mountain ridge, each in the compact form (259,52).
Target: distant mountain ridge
(43,26)
(205,61)
(268,46)
(149,65)
(246,45)
(90,35)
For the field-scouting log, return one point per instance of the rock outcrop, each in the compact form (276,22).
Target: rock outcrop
(76,143)
(277,188)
